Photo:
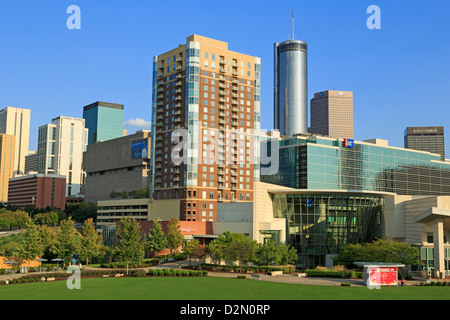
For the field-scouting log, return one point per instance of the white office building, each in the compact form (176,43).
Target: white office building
(60,151)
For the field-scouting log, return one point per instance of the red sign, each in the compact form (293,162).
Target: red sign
(383,276)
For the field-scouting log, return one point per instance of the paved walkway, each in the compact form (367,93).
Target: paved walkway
(285,278)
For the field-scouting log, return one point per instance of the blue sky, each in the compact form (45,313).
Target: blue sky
(400,75)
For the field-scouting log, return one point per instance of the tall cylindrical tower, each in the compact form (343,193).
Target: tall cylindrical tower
(291,87)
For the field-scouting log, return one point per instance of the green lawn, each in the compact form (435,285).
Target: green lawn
(208,288)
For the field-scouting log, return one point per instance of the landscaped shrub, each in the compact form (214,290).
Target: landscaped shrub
(176,272)
(138,273)
(151,272)
(334,274)
(246,269)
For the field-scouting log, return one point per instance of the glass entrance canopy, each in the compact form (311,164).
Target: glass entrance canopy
(319,222)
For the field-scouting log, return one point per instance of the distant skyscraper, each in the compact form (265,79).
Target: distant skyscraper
(7,144)
(291,87)
(104,121)
(31,162)
(332,114)
(429,139)
(16,122)
(60,151)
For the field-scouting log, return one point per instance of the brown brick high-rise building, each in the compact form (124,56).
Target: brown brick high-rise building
(210,96)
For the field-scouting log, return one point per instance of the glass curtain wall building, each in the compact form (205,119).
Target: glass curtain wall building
(319,223)
(291,87)
(322,163)
(104,121)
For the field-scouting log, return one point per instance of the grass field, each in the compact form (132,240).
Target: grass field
(209,288)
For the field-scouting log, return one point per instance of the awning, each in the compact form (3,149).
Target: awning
(379,264)
(208,236)
(431,214)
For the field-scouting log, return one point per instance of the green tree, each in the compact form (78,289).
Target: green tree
(232,247)
(20,218)
(130,247)
(156,240)
(48,218)
(216,249)
(242,249)
(13,219)
(48,239)
(288,254)
(174,236)
(66,243)
(142,193)
(267,253)
(193,249)
(10,248)
(124,195)
(31,246)
(80,212)
(382,250)
(91,242)
(219,248)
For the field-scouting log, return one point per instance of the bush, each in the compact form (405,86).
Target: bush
(245,269)
(319,268)
(241,277)
(334,274)
(338,268)
(176,272)
(138,273)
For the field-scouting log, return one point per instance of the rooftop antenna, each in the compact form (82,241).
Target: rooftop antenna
(293,24)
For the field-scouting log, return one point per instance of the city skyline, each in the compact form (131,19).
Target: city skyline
(54,71)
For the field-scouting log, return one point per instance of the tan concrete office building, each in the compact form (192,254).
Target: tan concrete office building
(332,114)
(16,122)
(117,165)
(7,145)
(317,222)
(111,211)
(214,95)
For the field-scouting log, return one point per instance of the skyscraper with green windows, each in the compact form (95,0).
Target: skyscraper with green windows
(104,121)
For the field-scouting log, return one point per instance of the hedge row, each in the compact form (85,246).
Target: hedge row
(175,272)
(246,269)
(148,263)
(133,273)
(435,283)
(334,274)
